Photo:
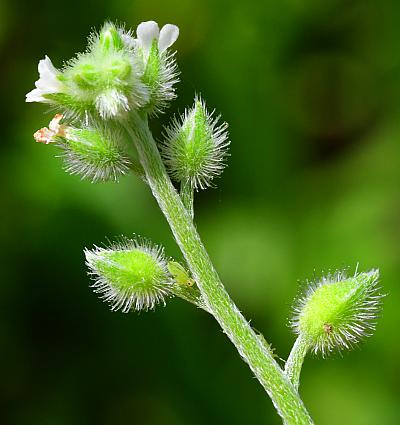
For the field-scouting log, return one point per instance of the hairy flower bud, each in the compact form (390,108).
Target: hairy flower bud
(337,312)
(195,147)
(92,152)
(131,275)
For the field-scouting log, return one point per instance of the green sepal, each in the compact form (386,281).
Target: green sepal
(110,38)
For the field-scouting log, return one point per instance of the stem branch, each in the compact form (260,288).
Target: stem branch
(283,394)
(187,196)
(295,361)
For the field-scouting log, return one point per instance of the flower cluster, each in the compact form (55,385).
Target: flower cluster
(116,74)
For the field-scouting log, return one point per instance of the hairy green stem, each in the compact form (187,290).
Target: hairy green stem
(295,361)
(187,196)
(138,170)
(284,396)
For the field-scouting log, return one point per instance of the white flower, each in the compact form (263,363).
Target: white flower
(149,31)
(48,82)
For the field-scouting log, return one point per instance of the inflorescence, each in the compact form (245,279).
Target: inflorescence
(122,75)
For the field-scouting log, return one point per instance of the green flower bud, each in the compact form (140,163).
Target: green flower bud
(131,275)
(93,153)
(337,312)
(195,147)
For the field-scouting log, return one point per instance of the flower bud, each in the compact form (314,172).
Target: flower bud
(337,312)
(159,69)
(195,147)
(92,152)
(131,275)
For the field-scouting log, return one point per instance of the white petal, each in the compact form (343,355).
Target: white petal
(35,96)
(168,35)
(46,67)
(48,81)
(146,33)
(48,85)
(55,125)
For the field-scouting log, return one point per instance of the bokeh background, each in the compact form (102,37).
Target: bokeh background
(311,90)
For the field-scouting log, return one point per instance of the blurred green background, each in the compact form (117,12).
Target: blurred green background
(312,94)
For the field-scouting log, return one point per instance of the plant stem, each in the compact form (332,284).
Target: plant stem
(295,361)
(284,396)
(187,196)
